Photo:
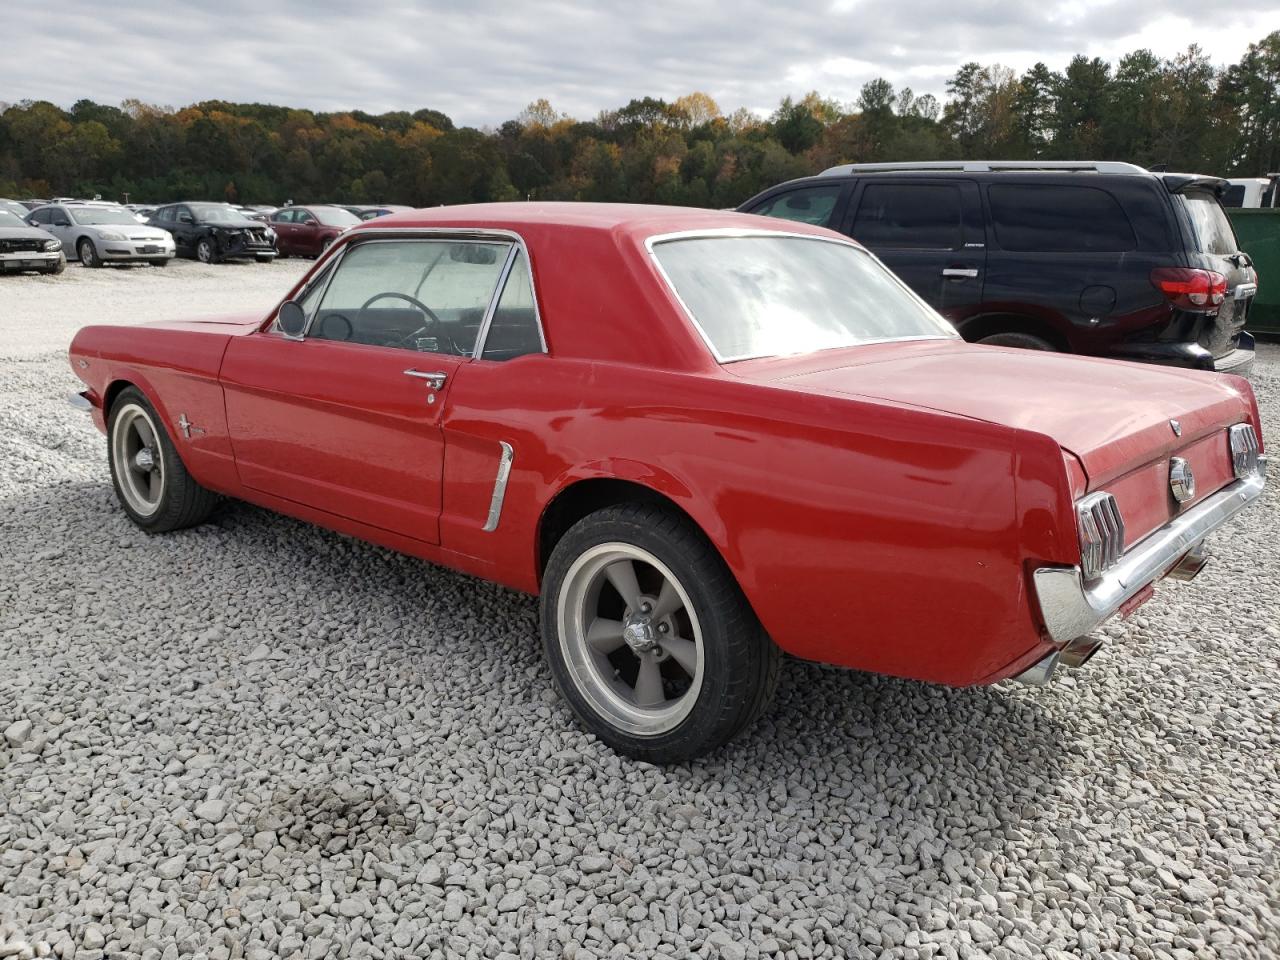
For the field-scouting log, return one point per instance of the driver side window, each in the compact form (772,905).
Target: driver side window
(422,295)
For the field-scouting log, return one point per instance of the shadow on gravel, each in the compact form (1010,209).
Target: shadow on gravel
(915,784)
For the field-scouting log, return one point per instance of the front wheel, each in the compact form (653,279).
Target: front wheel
(88,253)
(649,637)
(58,267)
(150,479)
(205,251)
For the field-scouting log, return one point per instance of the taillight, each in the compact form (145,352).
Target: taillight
(1199,290)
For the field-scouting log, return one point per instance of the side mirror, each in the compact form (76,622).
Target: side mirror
(291,319)
(186,218)
(62,223)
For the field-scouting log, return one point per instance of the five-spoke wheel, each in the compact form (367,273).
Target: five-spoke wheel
(649,637)
(135,454)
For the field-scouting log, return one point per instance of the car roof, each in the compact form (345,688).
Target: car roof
(633,219)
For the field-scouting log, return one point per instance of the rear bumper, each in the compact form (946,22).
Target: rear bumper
(1191,355)
(1070,608)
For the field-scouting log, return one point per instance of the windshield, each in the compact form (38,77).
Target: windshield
(774,295)
(7,219)
(217,213)
(100,216)
(335,217)
(1213,229)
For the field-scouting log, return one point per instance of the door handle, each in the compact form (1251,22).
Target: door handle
(960,272)
(435,378)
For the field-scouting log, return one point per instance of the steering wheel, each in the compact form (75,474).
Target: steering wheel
(427,311)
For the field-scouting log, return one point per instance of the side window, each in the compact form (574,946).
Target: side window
(806,205)
(425,295)
(40,216)
(513,332)
(1048,218)
(922,216)
(282,216)
(184,215)
(301,216)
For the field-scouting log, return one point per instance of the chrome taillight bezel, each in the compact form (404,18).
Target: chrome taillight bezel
(1244,450)
(1101,530)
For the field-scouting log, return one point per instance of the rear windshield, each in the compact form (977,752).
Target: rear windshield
(761,296)
(1213,233)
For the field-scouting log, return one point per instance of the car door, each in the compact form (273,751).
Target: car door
(306,232)
(185,229)
(929,232)
(282,223)
(347,419)
(58,222)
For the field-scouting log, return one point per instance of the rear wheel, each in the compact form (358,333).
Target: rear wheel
(88,253)
(150,479)
(1024,341)
(649,637)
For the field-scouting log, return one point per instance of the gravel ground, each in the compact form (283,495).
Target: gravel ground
(258,739)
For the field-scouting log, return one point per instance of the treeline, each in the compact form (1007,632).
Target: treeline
(1184,113)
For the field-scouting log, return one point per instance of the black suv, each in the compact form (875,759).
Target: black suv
(1106,259)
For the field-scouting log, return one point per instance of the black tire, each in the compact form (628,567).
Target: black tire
(181,502)
(264,259)
(206,251)
(88,253)
(160,263)
(1023,341)
(57,268)
(325,245)
(739,664)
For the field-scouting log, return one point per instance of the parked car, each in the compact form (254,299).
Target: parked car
(24,247)
(1252,193)
(33,204)
(702,437)
(99,234)
(377,210)
(309,231)
(214,232)
(14,207)
(1095,258)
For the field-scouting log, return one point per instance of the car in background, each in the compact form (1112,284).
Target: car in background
(24,247)
(377,210)
(1106,259)
(214,232)
(704,438)
(1253,193)
(33,204)
(310,231)
(13,206)
(102,233)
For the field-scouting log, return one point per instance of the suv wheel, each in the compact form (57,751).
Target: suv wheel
(1023,341)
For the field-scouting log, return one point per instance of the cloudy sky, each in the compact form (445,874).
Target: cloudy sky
(482,62)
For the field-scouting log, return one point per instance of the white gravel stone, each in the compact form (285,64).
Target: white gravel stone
(257,739)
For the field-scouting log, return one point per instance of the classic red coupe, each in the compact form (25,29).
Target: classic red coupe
(703,438)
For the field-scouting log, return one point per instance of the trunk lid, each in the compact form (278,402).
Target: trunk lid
(1112,415)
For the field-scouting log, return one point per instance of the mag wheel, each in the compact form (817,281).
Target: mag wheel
(88,253)
(649,637)
(150,479)
(205,252)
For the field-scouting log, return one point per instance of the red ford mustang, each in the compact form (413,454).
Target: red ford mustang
(703,438)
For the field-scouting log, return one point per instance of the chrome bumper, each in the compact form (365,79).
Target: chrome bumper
(1071,608)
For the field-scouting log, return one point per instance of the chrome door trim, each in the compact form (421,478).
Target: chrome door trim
(499,487)
(960,272)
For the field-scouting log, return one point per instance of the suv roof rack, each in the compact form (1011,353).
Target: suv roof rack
(989,166)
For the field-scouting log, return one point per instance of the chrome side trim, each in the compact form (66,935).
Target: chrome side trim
(80,402)
(1070,608)
(499,487)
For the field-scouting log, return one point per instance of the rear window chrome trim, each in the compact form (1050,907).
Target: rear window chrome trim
(712,233)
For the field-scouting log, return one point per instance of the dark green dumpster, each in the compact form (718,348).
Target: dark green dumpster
(1259,233)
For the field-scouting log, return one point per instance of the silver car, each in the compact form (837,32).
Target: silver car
(98,234)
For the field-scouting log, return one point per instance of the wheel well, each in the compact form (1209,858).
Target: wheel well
(586,497)
(979,327)
(109,395)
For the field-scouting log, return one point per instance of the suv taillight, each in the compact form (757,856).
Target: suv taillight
(1199,290)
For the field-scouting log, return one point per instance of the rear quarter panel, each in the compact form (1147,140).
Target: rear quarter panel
(865,534)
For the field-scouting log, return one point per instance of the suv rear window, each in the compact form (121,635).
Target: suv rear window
(919,215)
(1047,218)
(1209,221)
(807,205)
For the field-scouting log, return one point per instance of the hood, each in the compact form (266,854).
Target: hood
(1111,414)
(244,223)
(24,233)
(234,324)
(134,231)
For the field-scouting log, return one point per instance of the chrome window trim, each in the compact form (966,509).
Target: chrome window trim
(499,487)
(711,233)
